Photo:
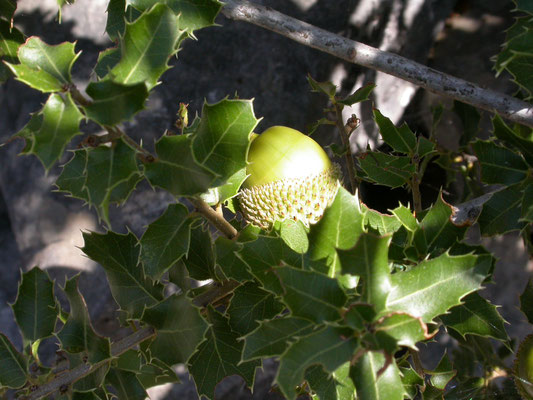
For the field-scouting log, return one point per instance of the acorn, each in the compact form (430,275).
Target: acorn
(523,368)
(289,176)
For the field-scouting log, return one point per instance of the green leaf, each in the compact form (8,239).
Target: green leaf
(151,375)
(331,347)
(434,286)
(404,328)
(476,316)
(45,67)
(13,365)
(517,54)
(383,223)
(424,147)
(179,327)
(502,212)
(436,232)
(470,118)
(410,380)
(116,21)
(227,191)
(119,256)
(218,356)
(294,234)
(226,258)
(524,5)
(400,139)
(222,138)
(443,373)
(35,308)
(111,176)
(166,240)
(193,14)
(107,59)
(358,96)
(249,305)
(328,88)
(368,259)
(200,260)
(499,164)
(526,301)
(371,382)
(72,178)
(406,217)
(7,9)
(126,384)
(511,137)
(77,335)
(48,133)
(113,102)
(10,40)
(337,385)
(310,295)
(385,169)
(176,169)
(527,204)
(271,338)
(90,381)
(339,228)
(147,45)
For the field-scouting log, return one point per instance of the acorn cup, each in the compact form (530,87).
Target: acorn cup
(523,368)
(289,176)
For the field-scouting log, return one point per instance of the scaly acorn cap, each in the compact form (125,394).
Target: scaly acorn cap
(523,368)
(289,176)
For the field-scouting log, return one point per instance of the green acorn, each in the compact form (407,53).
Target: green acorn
(289,176)
(523,368)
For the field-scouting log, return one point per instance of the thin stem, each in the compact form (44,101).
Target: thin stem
(215,218)
(350,165)
(217,292)
(361,54)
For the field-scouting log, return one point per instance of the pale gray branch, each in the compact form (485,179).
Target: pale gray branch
(389,63)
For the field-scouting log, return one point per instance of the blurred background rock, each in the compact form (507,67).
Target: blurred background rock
(41,227)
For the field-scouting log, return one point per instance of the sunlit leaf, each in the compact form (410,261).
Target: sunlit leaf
(10,40)
(35,308)
(434,286)
(44,67)
(401,139)
(331,347)
(218,356)
(147,45)
(271,338)
(48,133)
(176,169)
(166,240)
(179,327)
(119,256)
(13,365)
(369,384)
(443,373)
(404,328)
(358,96)
(294,234)
(77,335)
(383,223)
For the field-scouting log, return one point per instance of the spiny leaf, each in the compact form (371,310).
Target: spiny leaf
(45,67)
(470,117)
(309,294)
(337,385)
(119,255)
(294,234)
(385,169)
(113,102)
(404,328)
(147,45)
(10,40)
(526,301)
(369,260)
(331,347)
(176,169)
(35,308)
(400,139)
(443,373)
(512,138)
(116,21)
(434,286)
(200,260)
(369,384)
(499,164)
(126,385)
(328,88)
(111,176)
(179,328)
(249,305)
(73,176)
(222,138)
(340,227)
(271,338)
(193,14)
(77,335)
(13,365)
(502,212)
(166,240)
(48,133)
(90,381)
(383,223)
(358,96)
(226,258)
(406,217)
(218,356)
(476,316)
